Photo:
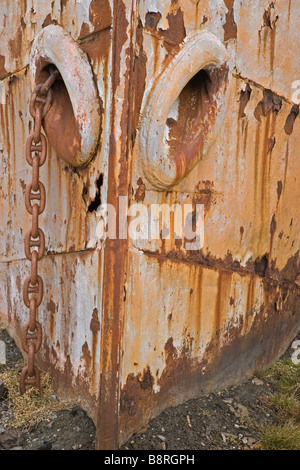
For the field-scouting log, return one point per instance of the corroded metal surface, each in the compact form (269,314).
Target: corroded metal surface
(132,326)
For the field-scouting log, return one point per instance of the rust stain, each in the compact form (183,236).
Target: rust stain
(18,283)
(205,194)
(87,358)
(139,74)
(250,303)
(3,71)
(114,256)
(268,31)
(244,99)
(84,31)
(223,289)
(95,323)
(100,14)
(279,189)
(259,267)
(269,103)
(51,307)
(230,26)
(175,34)
(273,227)
(63,4)
(48,20)
(15,44)
(140,191)
(266,113)
(290,121)
(152,19)
(289,10)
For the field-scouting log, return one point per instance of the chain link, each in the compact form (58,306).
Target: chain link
(33,289)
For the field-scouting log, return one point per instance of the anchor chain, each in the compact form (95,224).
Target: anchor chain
(33,289)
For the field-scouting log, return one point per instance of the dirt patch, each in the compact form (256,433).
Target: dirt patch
(227,419)
(230,419)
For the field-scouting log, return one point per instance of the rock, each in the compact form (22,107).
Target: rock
(207,431)
(228,401)
(227,435)
(53,397)
(241,411)
(257,381)
(232,409)
(11,439)
(16,448)
(162,438)
(251,441)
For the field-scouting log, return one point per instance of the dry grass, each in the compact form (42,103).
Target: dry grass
(286,377)
(285,434)
(280,437)
(35,405)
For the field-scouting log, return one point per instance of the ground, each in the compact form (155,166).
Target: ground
(262,413)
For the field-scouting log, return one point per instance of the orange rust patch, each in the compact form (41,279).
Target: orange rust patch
(84,31)
(87,357)
(176,33)
(230,26)
(51,307)
(138,77)
(100,14)
(244,99)
(205,194)
(3,70)
(269,103)
(48,20)
(140,191)
(15,44)
(290,121)
(152,20)
(95,323)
